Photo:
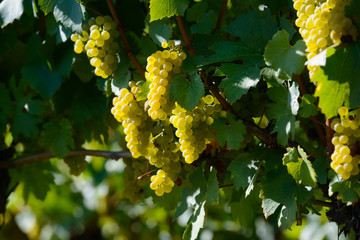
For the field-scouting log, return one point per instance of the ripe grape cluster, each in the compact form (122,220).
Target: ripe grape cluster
(161,67)
(253,103)
(345,161)
(134,187)
(193,127)
(97,40)
(321,24)
(77,165)
(159,129)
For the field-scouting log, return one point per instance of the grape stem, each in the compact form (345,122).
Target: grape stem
(76,153)
(221,16)
(127,46)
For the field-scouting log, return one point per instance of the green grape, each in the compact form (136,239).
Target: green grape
(77,165)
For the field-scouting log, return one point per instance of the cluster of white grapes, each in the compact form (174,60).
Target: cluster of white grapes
(345,161)
(97,40)
(159,129)
(322,23)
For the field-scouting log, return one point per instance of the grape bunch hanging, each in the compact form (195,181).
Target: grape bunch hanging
(98,41)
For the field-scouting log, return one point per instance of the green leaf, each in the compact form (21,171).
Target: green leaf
(187,93)
(196,12)
(302,170)
(288,213)
(284,111)
(271,77)
(228,51)
(183,204)
(206,23)
(36,179)
(10,10)
(159,31)
(193,228)
(287,26)
(225,130)
(240,77)
(269,207)
(291,156)
(47,6)
(307,107)
(257,31)
(83,70)
(143,90)
(70,13)
(281,55)
(348,189)
(160,9)
(42,79)
(321,164)
(26,125)
(6,106)
(244,168)
(340,72)
(213,187)
(58,137)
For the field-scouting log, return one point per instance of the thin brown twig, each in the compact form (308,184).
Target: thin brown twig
(318,127)
(188,44)
(147,173)
(221,16)
(94,11)
(124,39)
(324,204)
(76,153)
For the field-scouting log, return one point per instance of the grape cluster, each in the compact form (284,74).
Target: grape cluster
(77,165)
(160,130)
(321,24)
(133,186)
(161,183)
(98,41)
(253,103)
(135,122)
(193,127)
(347,133)
(161,67)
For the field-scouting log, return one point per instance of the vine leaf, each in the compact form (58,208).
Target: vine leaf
(282,56)
(196,222)
(160,9)
(58,137)
(47,6)
(213,187)
(341,73)
(70,13)
(269,207)
(284,111)
(265,27)
(36,178)
(159,31)
(225,130)
(288,213)
(43,79)
(240,78)
(307,107)
(10,10)
(300,169)
(186,93)
(348,189)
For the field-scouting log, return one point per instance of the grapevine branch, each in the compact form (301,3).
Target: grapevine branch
(251,127)
(221,16)
(76,153)
(124,39)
